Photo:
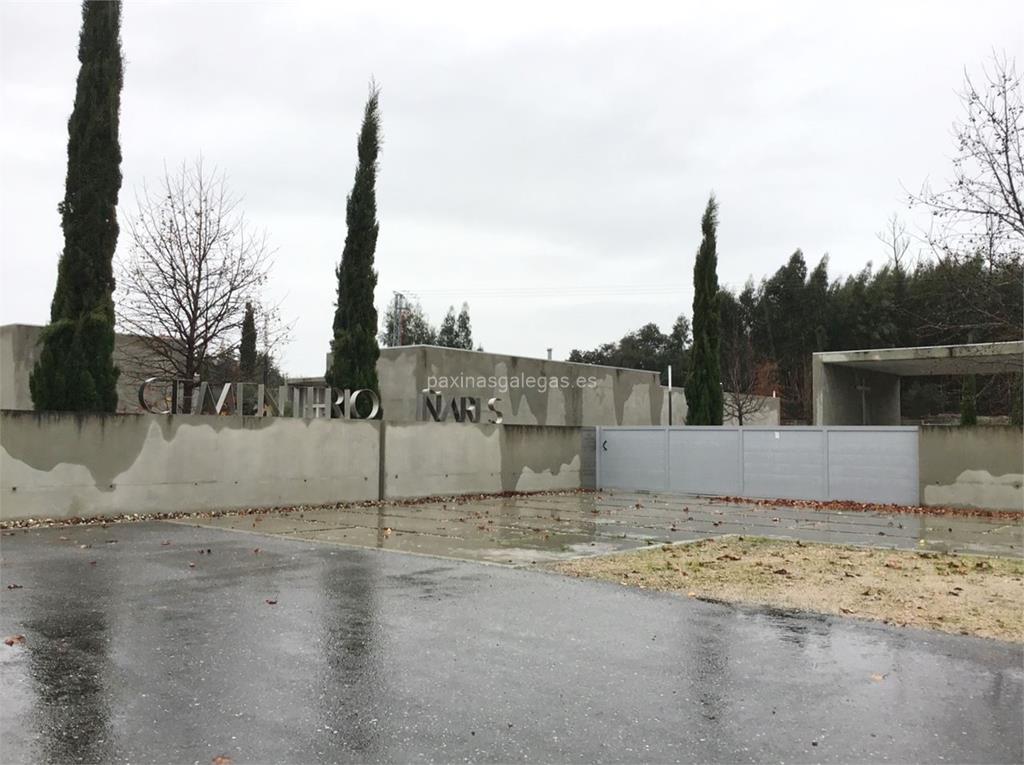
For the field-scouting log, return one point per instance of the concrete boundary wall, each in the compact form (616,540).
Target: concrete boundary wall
(55,465)
(980,466)
(62,465)
(429,458)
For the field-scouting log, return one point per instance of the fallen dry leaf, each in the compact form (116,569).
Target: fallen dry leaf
(271,602)
(15,640)
(256,551)
(165,543)
(221,759)
(387,532)
(877,678)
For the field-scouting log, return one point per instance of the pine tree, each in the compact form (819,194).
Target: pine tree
(969,401)
(703,386)
(463,331)
(248,358)
(448,335)
(354,345)
(75,370)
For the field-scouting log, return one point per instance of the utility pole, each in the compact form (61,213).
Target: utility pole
(397,331)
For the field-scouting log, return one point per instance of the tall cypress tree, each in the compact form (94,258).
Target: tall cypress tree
(75,370)
(354,345)
(703,385)
(247,357)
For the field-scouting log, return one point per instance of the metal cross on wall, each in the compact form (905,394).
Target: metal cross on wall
(863,388)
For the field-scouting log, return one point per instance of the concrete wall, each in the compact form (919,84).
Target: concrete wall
(427,458)
(617,396)
(60,465)
(19,351)
(975,467)
(838,401)
(609,396)
(18,355)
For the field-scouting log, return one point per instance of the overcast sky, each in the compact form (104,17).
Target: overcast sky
(566,146)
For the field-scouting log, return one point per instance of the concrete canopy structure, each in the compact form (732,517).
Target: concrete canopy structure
(863,387)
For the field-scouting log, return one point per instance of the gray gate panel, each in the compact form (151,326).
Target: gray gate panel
(787,463)
(873,465)
(632,459)
(704,461)
(861,464)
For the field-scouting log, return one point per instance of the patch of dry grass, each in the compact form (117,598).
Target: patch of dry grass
(953,593)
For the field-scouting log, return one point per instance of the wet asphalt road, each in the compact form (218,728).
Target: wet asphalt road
(378,656)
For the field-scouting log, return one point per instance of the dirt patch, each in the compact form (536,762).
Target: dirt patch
(842,505)
(963,594)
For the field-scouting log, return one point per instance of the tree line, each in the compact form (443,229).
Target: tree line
(406,323)
(769,329)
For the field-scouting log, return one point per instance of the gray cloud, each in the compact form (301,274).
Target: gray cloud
(557,145)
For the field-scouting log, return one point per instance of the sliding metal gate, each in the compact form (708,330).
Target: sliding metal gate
(864,464)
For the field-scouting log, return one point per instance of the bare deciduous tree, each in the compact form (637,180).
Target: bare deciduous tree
(192,263)
(977,218)
(983,200)
(747,384)
(896,240)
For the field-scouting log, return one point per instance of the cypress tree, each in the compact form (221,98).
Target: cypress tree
(463,330)
(448,335)
(75,370)
(247,356)
(703,385)
(354,344)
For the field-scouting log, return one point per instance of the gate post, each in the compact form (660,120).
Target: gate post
(668,445)
(827,482)
(740,480)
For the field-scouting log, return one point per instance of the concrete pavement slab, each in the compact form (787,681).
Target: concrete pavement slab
(540,528)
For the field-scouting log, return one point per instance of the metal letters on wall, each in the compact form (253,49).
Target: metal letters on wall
(306,401)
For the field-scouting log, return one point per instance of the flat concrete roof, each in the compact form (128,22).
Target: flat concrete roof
(972,358)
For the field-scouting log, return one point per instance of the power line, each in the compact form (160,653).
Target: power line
(551,291)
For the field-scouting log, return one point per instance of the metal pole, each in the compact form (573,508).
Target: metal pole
(670,395)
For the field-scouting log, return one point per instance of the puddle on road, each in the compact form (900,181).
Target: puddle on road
(535,529)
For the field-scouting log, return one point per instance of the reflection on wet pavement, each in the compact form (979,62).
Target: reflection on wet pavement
(524,530)
(162,642)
